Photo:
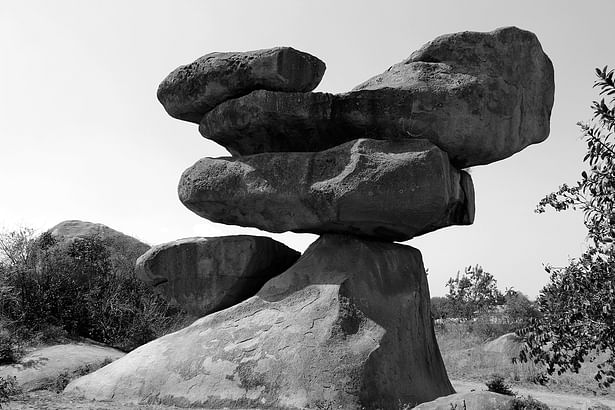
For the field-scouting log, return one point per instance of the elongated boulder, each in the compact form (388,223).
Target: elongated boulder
(348,326)
(481,97)
(391,190)
(204,275)
(193,89)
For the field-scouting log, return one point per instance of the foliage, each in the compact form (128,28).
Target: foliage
(8,388)
(518,309)
(73,288)
(577,304)
(10,349)
(527,403)
(440,307)
(497,385)
(64,378)
(473,292)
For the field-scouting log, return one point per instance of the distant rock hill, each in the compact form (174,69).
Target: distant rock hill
(124,249)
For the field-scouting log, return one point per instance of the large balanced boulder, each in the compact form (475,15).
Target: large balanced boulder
(481,97)
(193,89)
(391,190)
(204,275)
(348,326)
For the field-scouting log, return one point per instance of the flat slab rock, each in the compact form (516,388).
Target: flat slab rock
(193,89)
(41,368)
(204,275)
(481,97)
(391,190)
(347,326)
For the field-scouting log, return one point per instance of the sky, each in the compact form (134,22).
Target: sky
(82,135)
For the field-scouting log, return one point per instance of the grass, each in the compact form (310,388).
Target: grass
(465,359)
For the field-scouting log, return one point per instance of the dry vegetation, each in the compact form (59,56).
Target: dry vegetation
(463,350)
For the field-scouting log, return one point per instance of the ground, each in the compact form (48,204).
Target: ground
(469,361)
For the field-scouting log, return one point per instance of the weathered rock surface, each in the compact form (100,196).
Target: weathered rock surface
(391,190)
(193,89)
(347,326)
(481,97)
(204,275)
(41,368)
(123,249)
(482,400)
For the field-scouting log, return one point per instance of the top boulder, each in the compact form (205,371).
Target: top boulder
(481,97)
(191,90)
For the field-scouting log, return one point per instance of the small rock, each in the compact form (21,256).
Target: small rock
(390,190)
(204,275)
(193,89)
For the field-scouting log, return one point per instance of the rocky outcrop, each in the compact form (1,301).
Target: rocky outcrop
(481,97)
(391,190)
(193,89)
(347,326)
(204,275)
(123,249)
(41,368)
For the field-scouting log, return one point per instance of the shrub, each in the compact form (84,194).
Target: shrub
(73,289)
(8,388)
(527,403)
(498,385)
(10,349)
(60,383)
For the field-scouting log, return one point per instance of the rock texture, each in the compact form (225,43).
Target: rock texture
(41,368)
(123,249)
(193,89)
(481,97)
(391,190)
(204,275)
(347,326)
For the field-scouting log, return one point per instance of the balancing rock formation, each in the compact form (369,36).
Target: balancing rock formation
(348,324)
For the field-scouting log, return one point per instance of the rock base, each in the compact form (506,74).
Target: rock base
(348,326)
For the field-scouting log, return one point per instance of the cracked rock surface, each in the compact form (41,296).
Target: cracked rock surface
(325,332)
(193,89)
(481,97)
(391,190)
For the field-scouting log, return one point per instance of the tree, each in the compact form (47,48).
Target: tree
(577,304)
(473,293)
(440,307)
(518,309)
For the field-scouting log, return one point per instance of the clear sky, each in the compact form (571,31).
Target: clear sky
(84,137)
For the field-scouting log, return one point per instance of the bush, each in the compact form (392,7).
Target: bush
(527,403)
(10,349)
(8,388)
(73,289)
(498,385)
